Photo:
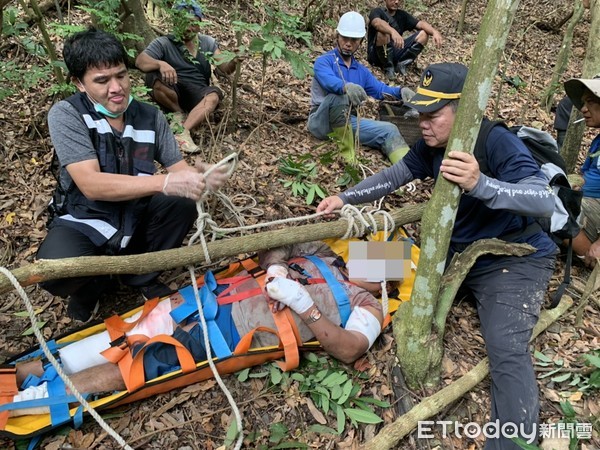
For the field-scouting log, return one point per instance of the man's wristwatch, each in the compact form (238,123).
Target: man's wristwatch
(314,315)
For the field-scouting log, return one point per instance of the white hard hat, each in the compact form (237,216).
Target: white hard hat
(352,25)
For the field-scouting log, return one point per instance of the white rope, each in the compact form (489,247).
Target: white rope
(357,225)
(38,334)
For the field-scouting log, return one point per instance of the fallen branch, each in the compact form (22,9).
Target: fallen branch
(389,436)
(44,270)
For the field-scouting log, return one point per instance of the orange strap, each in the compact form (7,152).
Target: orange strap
(120,353)
(246,341)
(290,338)
(8,389)
(136,377)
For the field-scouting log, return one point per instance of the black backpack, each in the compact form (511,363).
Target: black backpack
(562,225)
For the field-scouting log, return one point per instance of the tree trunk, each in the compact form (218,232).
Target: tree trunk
(136,23)
(563,57)
(389,436)
(463,12)
(591,67)
(44,270)
(419,357)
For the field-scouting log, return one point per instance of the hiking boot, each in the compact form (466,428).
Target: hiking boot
(186,143)
(402,66)
(390,73)
(156,289)
(82,307)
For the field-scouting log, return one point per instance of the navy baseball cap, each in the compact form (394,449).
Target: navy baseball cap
(191,6)
(439,85)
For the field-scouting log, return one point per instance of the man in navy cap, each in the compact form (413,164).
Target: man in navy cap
(178,71)
(509,291)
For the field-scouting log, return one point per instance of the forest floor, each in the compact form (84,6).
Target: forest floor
(272,113)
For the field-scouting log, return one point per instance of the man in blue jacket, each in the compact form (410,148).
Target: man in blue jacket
(508,290)
(341,84)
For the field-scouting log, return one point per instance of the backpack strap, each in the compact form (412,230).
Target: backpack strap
(566,279)
(479,149)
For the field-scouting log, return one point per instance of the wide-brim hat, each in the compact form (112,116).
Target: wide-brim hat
(439,85)
(576,87)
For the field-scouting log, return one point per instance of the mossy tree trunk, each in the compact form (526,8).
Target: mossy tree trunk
(563,57)
(417,346)
(591,67)
(135,22)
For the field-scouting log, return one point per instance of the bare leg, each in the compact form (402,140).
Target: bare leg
(166,97)
(29,367)
(103,378)
(201,111)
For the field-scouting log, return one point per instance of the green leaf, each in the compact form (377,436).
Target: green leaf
(561,378)
(275,375)
(567,409)
(594,379)
(322,429)
(345,392)
(374,401)
(297,376)
(277,432)
(29,331)
(243,374)
(362,416)
(320,192)
(26,313)
(335,378)
(336,392)
(542,357)
(341,418)
(290,445)
(552,372)
(310,356)
(592,360)
(259,375)
(232,433)
(310,197)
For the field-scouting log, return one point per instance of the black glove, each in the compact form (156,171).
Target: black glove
(356,94)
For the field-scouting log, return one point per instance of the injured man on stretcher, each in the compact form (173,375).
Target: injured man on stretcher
(294,279)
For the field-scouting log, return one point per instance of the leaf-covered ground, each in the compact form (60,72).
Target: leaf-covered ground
(271,125)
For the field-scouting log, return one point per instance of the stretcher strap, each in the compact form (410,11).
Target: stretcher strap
(245,342)
(8,389)
(210,308)
(39,353)
(116,326)
(239,296)
(136,378)
(119,352)
(59,411)
(290,337)
(338,291)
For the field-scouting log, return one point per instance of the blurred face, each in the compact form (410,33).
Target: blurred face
(393,5)
(591,110)
(436,126)
(108,86)
(348,45)
(192,29)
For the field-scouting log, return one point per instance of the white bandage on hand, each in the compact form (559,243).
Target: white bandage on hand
(277,270)
(290,293)
(363,321)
